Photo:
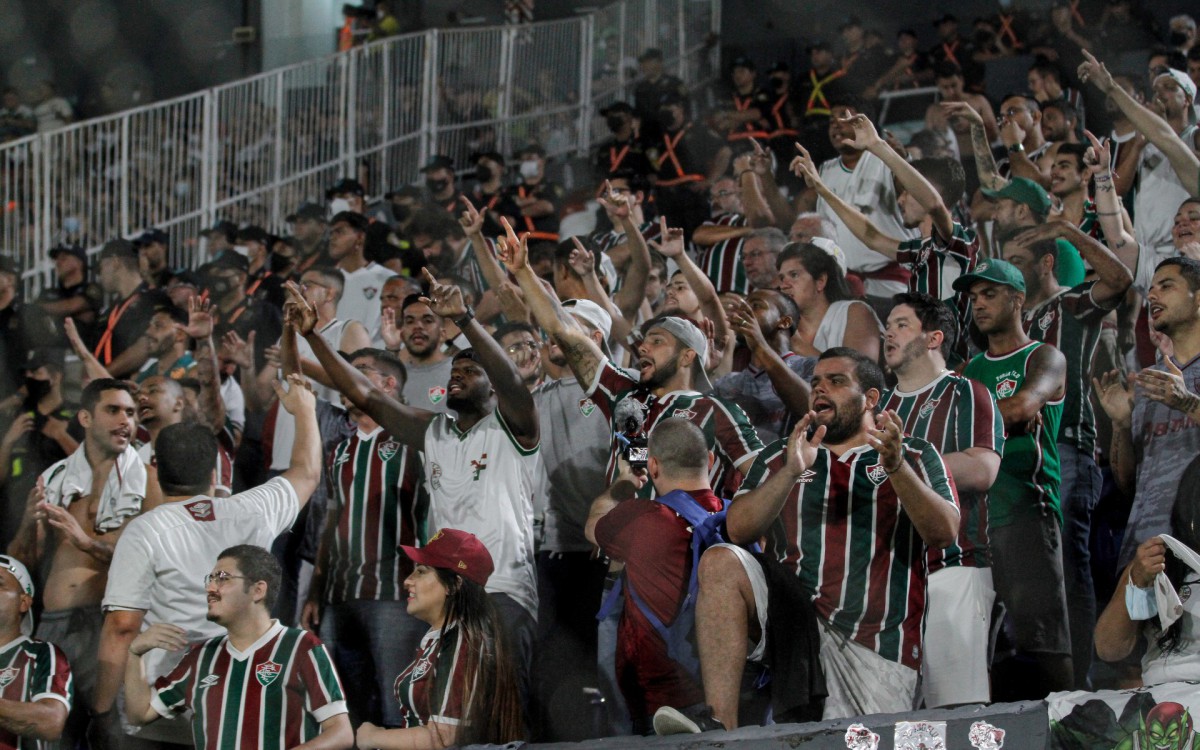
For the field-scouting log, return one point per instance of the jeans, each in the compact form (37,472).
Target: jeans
(1080,491)
(619,720)
(371,642)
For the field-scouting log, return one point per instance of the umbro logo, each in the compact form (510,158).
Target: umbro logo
(807,476)
(211,680)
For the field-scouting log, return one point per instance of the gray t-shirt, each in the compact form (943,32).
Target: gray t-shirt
(752,390)
(1165,442)
(575,448)
(426,385)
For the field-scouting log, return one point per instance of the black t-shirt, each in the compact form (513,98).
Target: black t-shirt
(548,191)
(251,315)
(125,321)
(47,329)
(625,156)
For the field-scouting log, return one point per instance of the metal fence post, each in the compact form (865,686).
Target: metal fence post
(624,96)
(351,95)
(508,37)
(385,120)
(587,35)
(124,222)
(680,21)
(429,97)
(277,176)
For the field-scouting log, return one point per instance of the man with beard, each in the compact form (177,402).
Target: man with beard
(853,477)
(168,345)
(522,344)
(363,279)
(1028,379)
(161,403)
(72,523)
(416,333)
(960,418)
(1060,121)
(441,238)
(1024,204)
(481,466)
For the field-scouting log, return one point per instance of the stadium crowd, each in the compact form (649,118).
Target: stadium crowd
(795,419)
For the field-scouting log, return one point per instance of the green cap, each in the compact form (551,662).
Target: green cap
(1024,191)
(998,271)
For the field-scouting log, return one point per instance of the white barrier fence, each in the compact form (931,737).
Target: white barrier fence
(253,150)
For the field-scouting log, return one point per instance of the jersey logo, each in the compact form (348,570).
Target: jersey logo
(876,473)
(436,394)
(586,406)
(201,510)
(341,458)
(928,408)
(267,672)
(859,737)
(1006,388)
(984,736)
(1185,593)
(370,292)
(807,476)
(478,465)
(420,669)
(435,477)
(387,449)
(687,414)
(1045,321)
(209,681)
(7,675)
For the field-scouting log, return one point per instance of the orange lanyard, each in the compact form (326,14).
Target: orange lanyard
(671,144)
(949,50)
(531,230)
(257,283)
(616,157)
(104,348)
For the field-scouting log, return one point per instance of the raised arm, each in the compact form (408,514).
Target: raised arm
(790,387)
(1116,632)
(138,710)
(92,368)
(582,354)
(754,202)
(1111,213)
(1157,130)
(402,421)
(985,163)
(862,228)
(751,513)
(1116,398)
(200,328)
(935,519)
(304,469)
(629,297)
(513,399)
(781,211)
(671,246)
(1113,279)
(1045,379)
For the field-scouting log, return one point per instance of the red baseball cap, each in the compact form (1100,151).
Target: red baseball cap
(454,550)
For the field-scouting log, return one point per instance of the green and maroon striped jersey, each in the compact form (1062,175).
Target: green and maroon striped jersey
(954,413)
(273,695)
(1071,322)
(726,427)
(435,685)
(32,671)
(855,550)
(722,262)
(934,264)
(380,503)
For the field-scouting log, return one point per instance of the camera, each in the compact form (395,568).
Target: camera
(633,444)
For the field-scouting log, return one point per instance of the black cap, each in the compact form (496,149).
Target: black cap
(117,249)
(75,250)
(672,98)
(346,186)
(530,148)
(405,191)
(151,236)
(8,264)
(254,234)
(850,21)
(944,18)
(779,67)
(355,220)
(742,61)
(311,211)
(52,358)
(616,108)
(227,228)
(654,53)
(231,259)
(438,161)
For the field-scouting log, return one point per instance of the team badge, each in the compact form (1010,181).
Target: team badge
(267,672)
(420,669)
(586,406)
(387,449)
(876,473)
(7,675)
(1006,388)
(984,736)
(201,510)
(370,292)
(209,681)
(859,737)
(920,735)
(807,476)
(478,465)
(1045,321)
(436,394)
(928,408)
(435,477)
(1185,593)
(687,414)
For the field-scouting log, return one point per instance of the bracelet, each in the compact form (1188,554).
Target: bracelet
(893,471)
(465,318)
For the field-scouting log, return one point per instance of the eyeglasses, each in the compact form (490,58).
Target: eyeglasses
(311,284)
(756,254)
(221,578)
(1013,111)
(723,194)
(523,346)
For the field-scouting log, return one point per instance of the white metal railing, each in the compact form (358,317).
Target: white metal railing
(252,150)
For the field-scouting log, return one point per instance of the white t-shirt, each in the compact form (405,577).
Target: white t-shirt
(162,557)
(483,481)
(832,331)
(1159,196)
(869,188)
(284,436)
(235,402)
(360,299)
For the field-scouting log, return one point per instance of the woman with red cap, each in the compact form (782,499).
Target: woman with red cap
(461,688)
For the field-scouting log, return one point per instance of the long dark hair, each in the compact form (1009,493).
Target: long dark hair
(818,263)
(1185,526)
(492,706)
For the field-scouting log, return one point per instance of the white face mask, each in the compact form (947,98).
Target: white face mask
(337,205)
(529,168)
(242,250)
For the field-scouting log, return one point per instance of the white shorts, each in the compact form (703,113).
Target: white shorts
(859,680)
(958,618)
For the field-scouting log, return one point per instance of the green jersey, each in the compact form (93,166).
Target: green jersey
(1029,476)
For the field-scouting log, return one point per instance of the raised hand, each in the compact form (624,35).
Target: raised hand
(388,330)
(159,635)
(512,251)
(1093,71)
(581,260)
(445,300)
(743,321)
(298,397)
(236,350)
(1098,159)
(671,244)
(888,440)
(1149,560)
(865,135)
(962,110)
(618,206)
(471,220)
(200,319)
(297,312)
(802,449)
(1116,399)
(73,337)
(804,166)
(760,159)
(1011,133)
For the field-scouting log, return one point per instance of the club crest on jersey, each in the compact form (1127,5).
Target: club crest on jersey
(267,672)
(928,408)
(876,473)
(435,477)
(1185,593)
(984,736)
(370,292)
(201,510)
(420,669)
(807,476)
(436,394)
(209,681)
(7,675)
(1006,388)
(1045,321)
(687,414)
(586,406)
(387,449)
(859,737)
(478,465)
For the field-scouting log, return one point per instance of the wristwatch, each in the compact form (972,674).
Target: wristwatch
(1016,148)
(465,318)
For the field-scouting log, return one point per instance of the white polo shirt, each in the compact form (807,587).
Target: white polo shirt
(360,298)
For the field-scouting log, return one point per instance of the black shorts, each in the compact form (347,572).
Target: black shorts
(1027,573)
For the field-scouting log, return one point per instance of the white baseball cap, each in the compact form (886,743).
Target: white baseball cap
(21,573)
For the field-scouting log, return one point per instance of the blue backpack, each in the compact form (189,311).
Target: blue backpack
(707,530)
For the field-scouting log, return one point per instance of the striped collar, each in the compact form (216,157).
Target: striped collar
(275,629)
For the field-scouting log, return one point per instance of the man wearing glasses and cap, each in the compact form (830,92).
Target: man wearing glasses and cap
(36,686)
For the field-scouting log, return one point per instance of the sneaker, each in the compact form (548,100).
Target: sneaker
(692,720)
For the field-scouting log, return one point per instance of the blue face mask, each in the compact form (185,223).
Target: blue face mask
(1141,603)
